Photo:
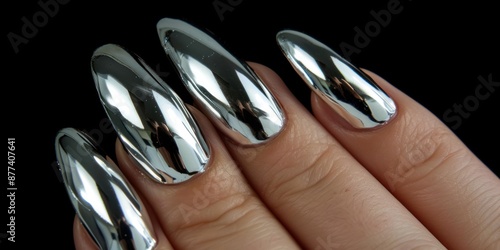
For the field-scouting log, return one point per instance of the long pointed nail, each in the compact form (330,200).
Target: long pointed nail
(151,120)
(230,93)
(347,90)
(105,202)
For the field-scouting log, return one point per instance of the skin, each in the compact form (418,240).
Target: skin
(320,184)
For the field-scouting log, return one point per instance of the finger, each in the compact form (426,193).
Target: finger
(427,168)
(111,210)
(212,206)
(319,192)
(81,236)
(414,154)
(297,168)
(215,210)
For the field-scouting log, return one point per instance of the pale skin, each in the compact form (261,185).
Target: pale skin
(320,184)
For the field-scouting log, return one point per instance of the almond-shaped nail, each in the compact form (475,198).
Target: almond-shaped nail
(151,120)
(227,89)
(105,202)
(345,88)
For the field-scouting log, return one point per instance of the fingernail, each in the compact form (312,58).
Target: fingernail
(230,93)
(151,121)
(346,89)
(105,202)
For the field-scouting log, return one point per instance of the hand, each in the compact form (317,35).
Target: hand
(251,168)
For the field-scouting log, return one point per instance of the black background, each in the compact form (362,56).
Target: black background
(432,52)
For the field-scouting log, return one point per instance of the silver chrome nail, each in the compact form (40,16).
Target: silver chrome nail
(152,122)
(104,201)
(230,93)
(347,90)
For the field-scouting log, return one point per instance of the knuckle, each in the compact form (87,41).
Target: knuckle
(426,151)
(210,202)
(314,168)
(230,213)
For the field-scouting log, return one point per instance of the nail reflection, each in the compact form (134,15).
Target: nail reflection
(345,88)
(151,120)
(230,93)
(105,202)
